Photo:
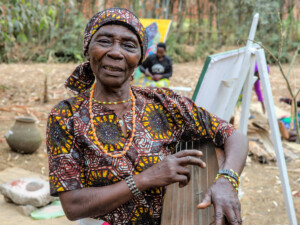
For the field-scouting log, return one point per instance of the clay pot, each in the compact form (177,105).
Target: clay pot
(24,136)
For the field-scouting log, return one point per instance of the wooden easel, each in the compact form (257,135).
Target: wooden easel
(268,99)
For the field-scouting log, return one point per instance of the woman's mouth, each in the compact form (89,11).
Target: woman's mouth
(113,68)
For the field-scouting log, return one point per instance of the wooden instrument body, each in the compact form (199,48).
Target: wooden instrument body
(180,204)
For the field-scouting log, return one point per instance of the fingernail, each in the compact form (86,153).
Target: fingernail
(204,164)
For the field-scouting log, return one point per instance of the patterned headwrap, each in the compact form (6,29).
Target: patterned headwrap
(82,78)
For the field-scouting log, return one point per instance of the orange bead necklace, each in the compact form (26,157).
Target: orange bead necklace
(99,144)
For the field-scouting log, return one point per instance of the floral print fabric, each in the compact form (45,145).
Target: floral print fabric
(164,118)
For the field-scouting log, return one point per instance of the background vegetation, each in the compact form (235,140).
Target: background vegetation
(52,30)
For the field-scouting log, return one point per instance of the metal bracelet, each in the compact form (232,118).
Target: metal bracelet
(132,187)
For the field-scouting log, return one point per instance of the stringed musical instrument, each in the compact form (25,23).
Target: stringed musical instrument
(180,204)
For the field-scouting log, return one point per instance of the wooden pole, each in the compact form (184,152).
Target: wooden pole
(267,93)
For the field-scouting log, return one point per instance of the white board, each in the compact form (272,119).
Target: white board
(220,80)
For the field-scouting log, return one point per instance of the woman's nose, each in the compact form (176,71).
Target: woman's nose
(115,51)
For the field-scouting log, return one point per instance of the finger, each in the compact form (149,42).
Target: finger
(183,184)
(190,160)
(182,179)
(226,221)
(230,216)
(185,171)
(206,200)
(191,152)
(218,216)
(237,211)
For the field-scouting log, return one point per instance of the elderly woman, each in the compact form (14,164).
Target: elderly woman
(111,147)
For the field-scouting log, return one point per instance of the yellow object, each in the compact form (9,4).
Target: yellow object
(163,26)
(148,82)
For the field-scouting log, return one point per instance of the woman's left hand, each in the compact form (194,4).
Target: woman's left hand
(225,200)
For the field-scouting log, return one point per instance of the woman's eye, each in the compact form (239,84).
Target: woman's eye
(129,45)
(104,41)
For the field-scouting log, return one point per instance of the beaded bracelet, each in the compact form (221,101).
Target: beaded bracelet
(235,173)
(231,174)
(132,187)
(230,179)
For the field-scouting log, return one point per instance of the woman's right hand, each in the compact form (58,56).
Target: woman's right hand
(170,170)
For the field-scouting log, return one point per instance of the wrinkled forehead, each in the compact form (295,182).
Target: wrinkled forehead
(117,30)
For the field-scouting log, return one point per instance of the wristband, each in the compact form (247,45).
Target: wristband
(132,187)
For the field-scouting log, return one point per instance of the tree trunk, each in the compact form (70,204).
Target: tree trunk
(167,9)
(149,6)
(218,21)
(281,6)
(199,12)
(143,8)
(290,24)
(105,3)
(211,17)
(189,38)
(154,8)
(171,8)
(181,13)
(101,5)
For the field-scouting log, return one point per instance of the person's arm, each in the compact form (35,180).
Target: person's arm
(94,201)
(97,201)
(168,69)
(144,67)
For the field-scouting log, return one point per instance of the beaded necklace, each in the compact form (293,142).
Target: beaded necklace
(112,103)
(99,144)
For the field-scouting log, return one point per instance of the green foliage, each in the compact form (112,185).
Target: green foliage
(177,50)
(3,87)
(268,30)
(31,31)
(53,31)
(228,24)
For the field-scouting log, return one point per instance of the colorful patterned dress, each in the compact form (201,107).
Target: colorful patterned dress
(164,118)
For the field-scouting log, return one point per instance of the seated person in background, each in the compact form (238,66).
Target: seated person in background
(158,67)
(285,122)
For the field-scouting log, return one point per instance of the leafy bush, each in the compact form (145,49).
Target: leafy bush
(31,31)
(177,50)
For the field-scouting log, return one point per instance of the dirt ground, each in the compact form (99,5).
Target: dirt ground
(21,93)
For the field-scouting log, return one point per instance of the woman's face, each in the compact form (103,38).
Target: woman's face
(114,52)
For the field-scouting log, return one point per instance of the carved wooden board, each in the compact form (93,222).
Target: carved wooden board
(180,204)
